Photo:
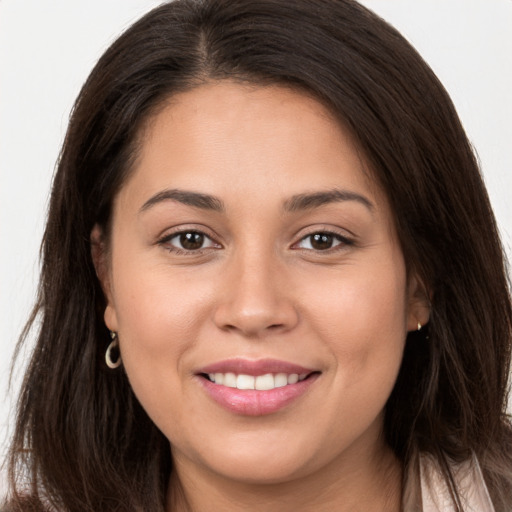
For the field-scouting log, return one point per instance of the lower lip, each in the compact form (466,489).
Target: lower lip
(251,402)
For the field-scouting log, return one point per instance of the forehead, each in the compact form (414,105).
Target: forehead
(223,137)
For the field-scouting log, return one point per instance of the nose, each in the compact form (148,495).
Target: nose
(256,297)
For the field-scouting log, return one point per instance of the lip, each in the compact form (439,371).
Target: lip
(254,367)
(251,402)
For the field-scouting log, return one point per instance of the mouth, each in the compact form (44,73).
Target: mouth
(256,388)
(265,382)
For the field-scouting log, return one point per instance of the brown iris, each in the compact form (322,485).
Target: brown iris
(191,240)
(322,241)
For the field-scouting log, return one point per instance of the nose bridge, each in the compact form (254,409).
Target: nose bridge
(255,298)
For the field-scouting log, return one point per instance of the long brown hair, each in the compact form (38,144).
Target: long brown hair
(82,440)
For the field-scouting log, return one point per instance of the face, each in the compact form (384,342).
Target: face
(257,286)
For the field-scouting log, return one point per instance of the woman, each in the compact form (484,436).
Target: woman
(271,278)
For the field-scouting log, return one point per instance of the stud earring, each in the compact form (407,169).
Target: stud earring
(114,345)
(419,326)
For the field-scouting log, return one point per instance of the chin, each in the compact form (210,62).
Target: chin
(252,462)
(266,470)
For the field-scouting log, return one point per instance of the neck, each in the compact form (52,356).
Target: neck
(369,482)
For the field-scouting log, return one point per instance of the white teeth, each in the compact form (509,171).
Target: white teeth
(293,378)
(280,380)
(261,382)
(264,382)
(229,380)
(245,382)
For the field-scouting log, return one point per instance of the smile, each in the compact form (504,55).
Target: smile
(256,388)
(261,382)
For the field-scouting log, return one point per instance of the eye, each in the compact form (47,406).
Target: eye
(187,241)
(322,241)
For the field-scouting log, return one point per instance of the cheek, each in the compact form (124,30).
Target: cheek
(364,303)
(362,319)
(159,318)
(155,306)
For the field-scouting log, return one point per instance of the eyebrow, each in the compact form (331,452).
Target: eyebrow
(195,199)
(296,203)
(317,199)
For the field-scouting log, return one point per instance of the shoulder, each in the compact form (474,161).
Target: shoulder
(467,478)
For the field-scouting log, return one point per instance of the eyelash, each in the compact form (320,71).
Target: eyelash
(165,242)
(343,242)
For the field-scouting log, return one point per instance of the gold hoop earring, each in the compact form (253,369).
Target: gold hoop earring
(114,345)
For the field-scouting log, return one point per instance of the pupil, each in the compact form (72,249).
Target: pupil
(191,241)
(321,241)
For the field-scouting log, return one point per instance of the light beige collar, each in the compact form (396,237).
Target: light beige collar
(435,493)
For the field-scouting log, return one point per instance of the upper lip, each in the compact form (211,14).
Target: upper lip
(254,367)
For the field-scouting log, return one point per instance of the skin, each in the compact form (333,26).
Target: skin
(258,289)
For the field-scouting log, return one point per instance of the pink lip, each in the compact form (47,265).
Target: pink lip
(255,368)
(251,402)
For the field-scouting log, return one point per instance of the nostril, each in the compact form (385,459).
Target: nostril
(255,318)
(272,327)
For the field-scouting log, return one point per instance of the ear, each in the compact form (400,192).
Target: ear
(418,303)
(101,261)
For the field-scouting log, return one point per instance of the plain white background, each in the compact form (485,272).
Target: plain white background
(47,49)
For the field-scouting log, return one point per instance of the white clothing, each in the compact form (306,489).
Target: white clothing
(430,492)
